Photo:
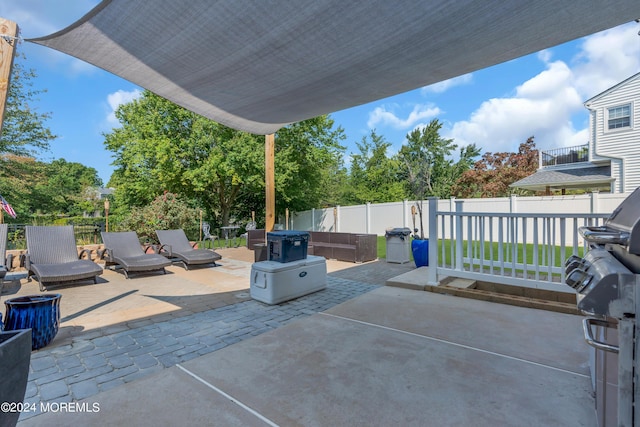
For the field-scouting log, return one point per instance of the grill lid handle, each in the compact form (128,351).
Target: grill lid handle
(588,335)
(603,235)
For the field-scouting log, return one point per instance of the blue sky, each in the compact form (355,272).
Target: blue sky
(496,108)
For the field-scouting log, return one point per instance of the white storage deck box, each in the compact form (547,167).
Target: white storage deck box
(275,282)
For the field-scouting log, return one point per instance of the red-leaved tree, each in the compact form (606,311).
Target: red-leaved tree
(492,175)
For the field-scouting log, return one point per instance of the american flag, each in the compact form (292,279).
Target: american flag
(7,207)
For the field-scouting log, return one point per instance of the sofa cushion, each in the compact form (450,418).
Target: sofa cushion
(341,238)
(344,246)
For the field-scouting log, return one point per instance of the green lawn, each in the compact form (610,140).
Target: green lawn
(221,243)
(506,249)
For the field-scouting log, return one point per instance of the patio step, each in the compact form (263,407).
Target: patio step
(461,283)
(510,299)
(561,302)
(414,279)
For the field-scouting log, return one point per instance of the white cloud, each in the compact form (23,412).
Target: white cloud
(556,78)
(30,21)
(607,58)
(385,117)
(38,18)
(114,100)
(448,84)
(544,105)
(545,55)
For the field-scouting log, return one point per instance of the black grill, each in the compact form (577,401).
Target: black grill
(607,283)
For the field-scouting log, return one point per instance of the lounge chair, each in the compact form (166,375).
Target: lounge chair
(175,245)
(52,256)
(123,249)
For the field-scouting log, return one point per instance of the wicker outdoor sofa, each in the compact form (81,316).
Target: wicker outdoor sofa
(352,247)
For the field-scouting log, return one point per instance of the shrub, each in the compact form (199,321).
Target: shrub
(79,220)
(166,212)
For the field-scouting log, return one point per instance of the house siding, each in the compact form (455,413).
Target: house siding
(616,171)
(622,146)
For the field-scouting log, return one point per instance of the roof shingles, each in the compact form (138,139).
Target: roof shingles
(595,176)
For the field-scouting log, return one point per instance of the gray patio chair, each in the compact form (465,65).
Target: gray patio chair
(6,260)
(52,256)
(175,245)
(206,231)
(123,249)
(251,225)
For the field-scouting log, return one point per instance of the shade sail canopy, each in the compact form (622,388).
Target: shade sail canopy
(259,65)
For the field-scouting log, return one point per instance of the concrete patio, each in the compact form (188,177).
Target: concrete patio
(192,348)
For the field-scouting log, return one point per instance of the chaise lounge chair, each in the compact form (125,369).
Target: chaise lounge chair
(52,256)
(123,249)
(174,244)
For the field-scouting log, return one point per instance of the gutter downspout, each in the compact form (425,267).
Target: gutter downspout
(593,140)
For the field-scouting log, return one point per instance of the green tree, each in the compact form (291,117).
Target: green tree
(308,162)
(163,147)
(24,132)
(234,164)
(143,148)
(428,166)
(374,176)
(17,176)
(63,187)
(24,136)
(59,187)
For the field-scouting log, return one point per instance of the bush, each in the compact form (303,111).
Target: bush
(166,212)
(79,220)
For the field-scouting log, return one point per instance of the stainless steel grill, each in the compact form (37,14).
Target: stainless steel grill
(607,280)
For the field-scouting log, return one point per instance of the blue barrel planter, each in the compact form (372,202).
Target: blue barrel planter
(40,313)
(420,250)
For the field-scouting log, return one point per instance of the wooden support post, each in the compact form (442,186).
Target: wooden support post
(335,219)
(269,181)
(106,214)
(8,41)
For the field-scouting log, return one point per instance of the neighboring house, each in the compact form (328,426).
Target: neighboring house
(610,162)
(97,193)
(104,193)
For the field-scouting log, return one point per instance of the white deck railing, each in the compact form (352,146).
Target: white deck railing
(508,248)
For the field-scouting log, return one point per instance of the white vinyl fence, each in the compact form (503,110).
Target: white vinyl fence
(514,240)
(376,218)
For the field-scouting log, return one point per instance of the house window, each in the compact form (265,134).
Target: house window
(620,117)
